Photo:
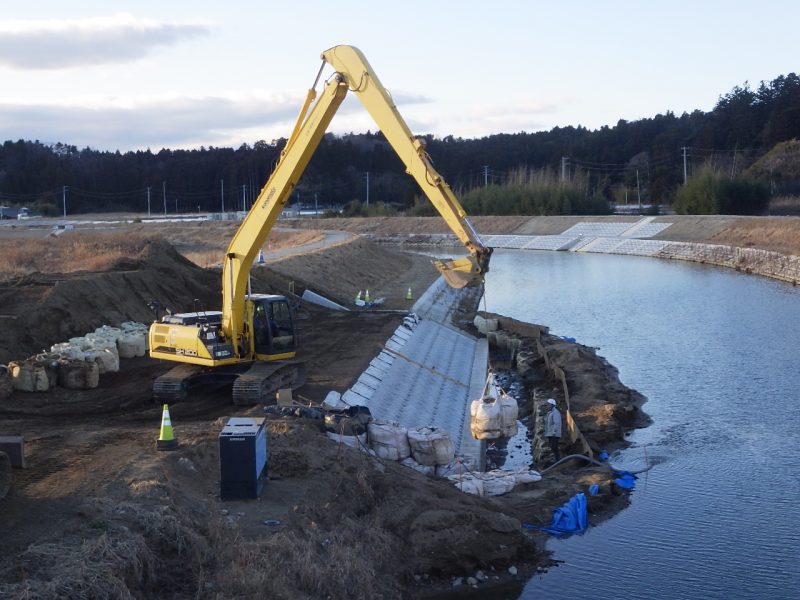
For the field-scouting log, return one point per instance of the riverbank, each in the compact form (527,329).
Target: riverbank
(98,512)
(765,246)
(775,234)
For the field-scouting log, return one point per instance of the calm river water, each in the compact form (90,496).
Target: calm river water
(718,355)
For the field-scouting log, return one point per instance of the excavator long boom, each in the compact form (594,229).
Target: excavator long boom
(352,73)
(351,64)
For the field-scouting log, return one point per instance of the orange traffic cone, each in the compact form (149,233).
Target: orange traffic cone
(166,440)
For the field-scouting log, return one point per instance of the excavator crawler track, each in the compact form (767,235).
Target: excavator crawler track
(262,380)
(256,384)
(173,386)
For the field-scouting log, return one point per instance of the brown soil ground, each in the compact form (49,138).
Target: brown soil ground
(99,513)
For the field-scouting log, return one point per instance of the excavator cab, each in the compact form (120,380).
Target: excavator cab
(273,327)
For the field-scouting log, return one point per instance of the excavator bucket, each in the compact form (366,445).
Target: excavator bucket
(460,273)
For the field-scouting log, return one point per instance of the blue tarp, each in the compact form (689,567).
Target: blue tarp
(625,480)
(567,519)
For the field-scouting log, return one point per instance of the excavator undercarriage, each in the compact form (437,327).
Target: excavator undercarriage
(253,383)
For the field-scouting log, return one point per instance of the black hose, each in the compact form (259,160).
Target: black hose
(593,461)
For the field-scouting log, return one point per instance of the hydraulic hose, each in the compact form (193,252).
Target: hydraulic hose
(593,461)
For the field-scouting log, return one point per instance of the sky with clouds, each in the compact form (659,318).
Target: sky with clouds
(146,74)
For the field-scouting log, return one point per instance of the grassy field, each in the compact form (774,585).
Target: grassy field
(67,253)
(24,251)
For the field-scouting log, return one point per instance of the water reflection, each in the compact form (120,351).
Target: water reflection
(716,353)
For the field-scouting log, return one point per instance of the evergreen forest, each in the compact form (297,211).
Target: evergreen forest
(733,159)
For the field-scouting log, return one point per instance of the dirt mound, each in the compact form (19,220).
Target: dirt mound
(42,309)
(342,271)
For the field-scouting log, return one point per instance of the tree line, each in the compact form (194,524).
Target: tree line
(645,160)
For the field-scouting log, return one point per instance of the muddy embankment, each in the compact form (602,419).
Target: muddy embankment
(99,513)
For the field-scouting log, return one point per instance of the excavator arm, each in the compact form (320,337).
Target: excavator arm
(351,64)
(252,233)
(352,73)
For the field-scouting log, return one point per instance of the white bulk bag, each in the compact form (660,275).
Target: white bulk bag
(497,483)
(525,476)
(22,378)
(27,376)
(486,419)
(468,484)
(78,374)
(131,345)
(354,441)
(431,446)
(412,464)
(485,325)
(509,411)
(109,332)
(107,361)
(456,467)
(98,340)
(388,440)
(80,342)
(67,350)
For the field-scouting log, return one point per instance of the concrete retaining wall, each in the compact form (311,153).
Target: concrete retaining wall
(749,260)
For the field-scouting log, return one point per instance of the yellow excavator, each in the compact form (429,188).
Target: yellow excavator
(252,340)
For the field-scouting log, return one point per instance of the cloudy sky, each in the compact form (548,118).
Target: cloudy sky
(146,74)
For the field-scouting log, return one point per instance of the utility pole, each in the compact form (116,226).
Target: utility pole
(222,194)
(176,205)
(148,200)
(367,178)
(164,192)
(684,164)
(64,200)
(316,206)
(564,160)
(638,190)
(244,200)
(485,175)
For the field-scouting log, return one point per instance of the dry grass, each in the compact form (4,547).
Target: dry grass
(778,234)
(202,243)
(344,562)
(108,566)
(204,258)
(135,549)
(68,253)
